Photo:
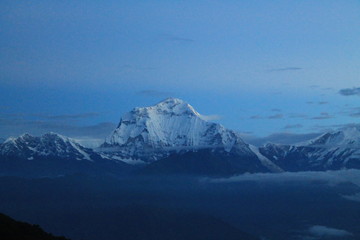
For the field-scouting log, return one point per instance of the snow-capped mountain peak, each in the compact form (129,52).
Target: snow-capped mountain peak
(170,107)
(53,155)
(332,150)
(346,137)
(174,106)
(170,125)
(49,144)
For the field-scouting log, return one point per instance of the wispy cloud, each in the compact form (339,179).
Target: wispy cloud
(355,114)
(335,127)
(321,88)
(328,89)
(319,103)
(155,93)
(211,117)
(73,116)
(350,91)
(354,197)
(284,69)
(293,126)
(15,118)
(352,112)
(322,116)
(349,125)
(276,116)
(324,231)
(332,178)
(175,38)
(127,68)
(298,115)
(322,103)
(3,107)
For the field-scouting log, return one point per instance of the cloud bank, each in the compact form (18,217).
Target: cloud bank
(332,178)
(327,232)
(350,91)
(154,93)
(211,117)
(293,126)
(73,116)
(285,69)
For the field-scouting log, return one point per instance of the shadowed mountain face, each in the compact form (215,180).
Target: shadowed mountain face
(15,230)
(204,163)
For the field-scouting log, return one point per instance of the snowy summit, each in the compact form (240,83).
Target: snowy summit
(169,125)
(48,145)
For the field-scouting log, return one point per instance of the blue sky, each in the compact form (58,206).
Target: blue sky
(260,67)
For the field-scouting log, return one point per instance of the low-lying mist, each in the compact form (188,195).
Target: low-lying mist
(302,205)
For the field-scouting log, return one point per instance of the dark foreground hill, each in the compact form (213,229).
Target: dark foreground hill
(15,230)
(133,222)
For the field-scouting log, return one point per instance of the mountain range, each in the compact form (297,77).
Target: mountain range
(171,137)
(52,155)
(330,151)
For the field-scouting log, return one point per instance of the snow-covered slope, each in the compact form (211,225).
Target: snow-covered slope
(48,145)
(171,125)
(52,155)
(332,150)
(265,161)
(347,137)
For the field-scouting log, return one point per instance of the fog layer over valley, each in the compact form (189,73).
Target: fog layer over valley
(271,206)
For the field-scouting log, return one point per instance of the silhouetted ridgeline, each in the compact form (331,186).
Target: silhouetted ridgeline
(15,230)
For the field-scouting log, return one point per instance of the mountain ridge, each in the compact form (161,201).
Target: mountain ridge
(59,146)
(169,126)
(173,131)
(330,151)
(52,155)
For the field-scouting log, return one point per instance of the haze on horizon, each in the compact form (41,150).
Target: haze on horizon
(280,68)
